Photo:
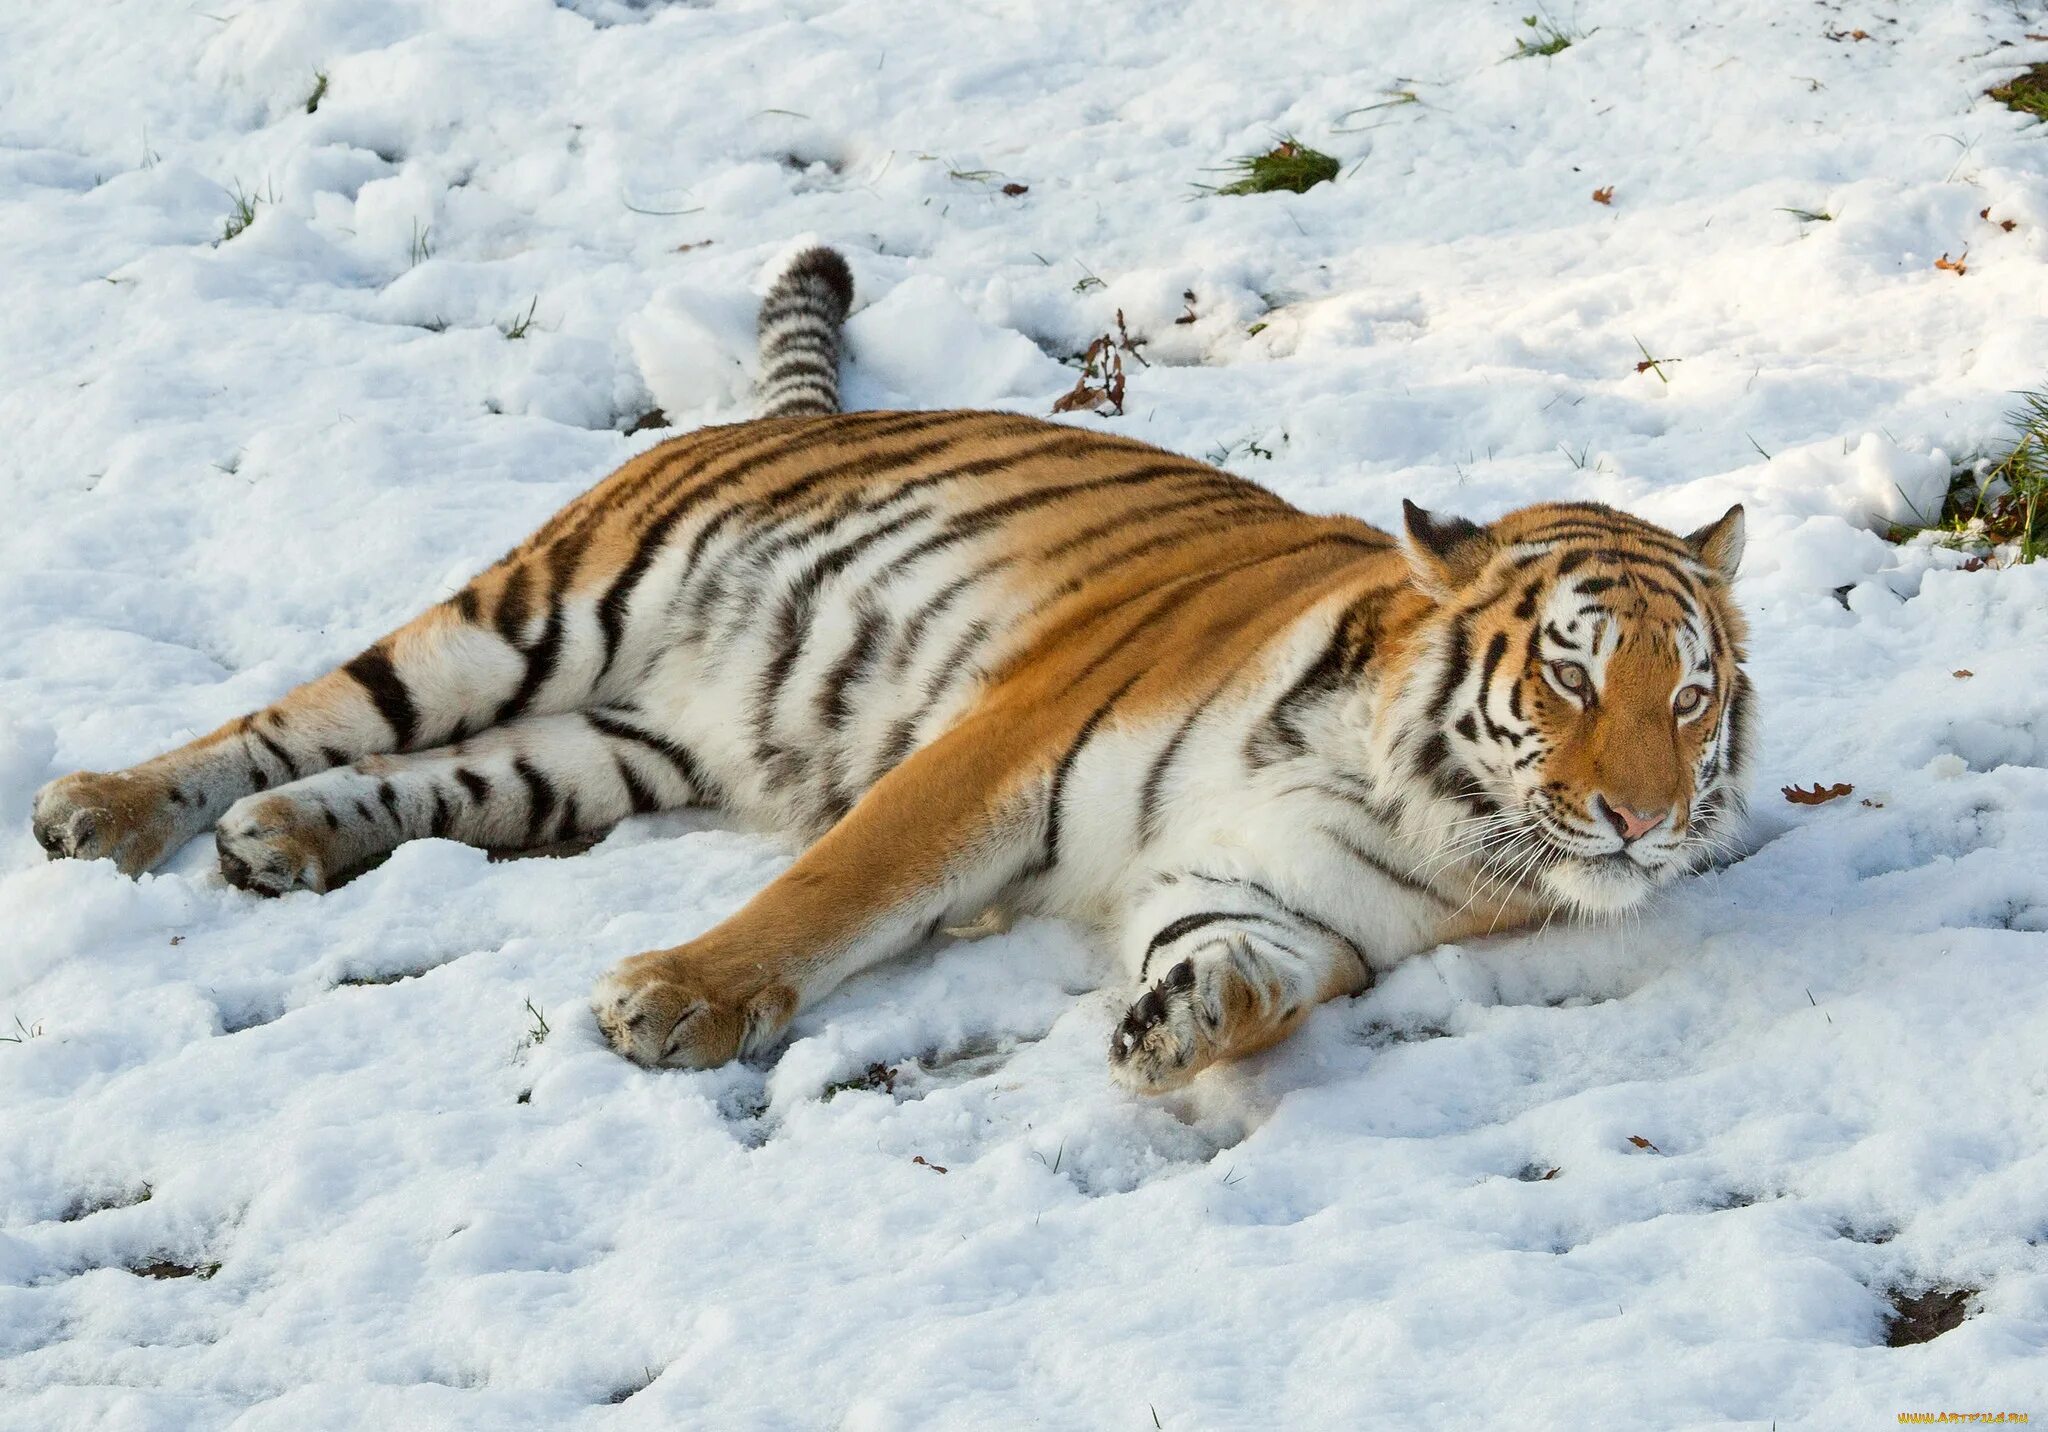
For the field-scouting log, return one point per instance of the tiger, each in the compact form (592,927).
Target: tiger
(978,665)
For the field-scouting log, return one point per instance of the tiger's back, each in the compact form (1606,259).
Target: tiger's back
(813,599)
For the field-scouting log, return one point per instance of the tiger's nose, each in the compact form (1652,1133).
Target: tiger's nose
(1628,822)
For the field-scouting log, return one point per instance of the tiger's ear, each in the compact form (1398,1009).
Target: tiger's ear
(1443,552)
(1719,544)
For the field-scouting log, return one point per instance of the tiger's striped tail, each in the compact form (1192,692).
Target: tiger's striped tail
(800,321)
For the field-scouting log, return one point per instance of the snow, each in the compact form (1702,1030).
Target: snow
(232,464)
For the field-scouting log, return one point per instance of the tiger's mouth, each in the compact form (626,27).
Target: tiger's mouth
(1583,871)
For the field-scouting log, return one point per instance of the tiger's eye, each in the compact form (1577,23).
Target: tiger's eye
(1570,675)
(1689,700)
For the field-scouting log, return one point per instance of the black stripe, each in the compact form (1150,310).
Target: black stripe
(444,818)
(970,641)
(1293,912)
(283,756)
(1455,668)
(1366,858)
(638,794)
(1345,653)
(387,795)
(852,665)
(1155,778)
(509,616)
(1051,855)
(701,787)
(1496,648)
(479,788)
(1187,924)
(374,672)
(540,798)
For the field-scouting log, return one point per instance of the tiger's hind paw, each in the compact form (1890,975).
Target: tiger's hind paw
(270,845)
(120,816)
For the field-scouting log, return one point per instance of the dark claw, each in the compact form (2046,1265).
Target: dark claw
(235,869)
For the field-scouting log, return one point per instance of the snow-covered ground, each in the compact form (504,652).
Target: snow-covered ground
(228,465)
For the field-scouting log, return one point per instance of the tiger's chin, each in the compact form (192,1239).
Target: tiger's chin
(1603,884)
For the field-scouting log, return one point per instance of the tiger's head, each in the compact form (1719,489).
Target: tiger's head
(1579,692)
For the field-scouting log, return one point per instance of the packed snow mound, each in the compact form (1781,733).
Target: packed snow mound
(312,308)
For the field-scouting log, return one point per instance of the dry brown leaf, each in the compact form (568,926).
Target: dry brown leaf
(1954,265)
(1962,673)
(1642,1143)
(1101,384)
(1819,795)
(1551,1175)
(700,244)
(1013,190)
(935,1168)
(1604,196)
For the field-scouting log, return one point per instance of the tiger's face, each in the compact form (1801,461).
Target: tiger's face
(1585,697)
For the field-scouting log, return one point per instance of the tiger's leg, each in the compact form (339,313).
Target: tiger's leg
(449,671)
(931,844)
(524,784)
(1232,970)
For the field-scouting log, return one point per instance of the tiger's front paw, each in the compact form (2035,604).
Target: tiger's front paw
(126,817)
(271,844)
(1167,1037)
(664,1009)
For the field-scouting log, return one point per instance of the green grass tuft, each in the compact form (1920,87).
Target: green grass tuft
(319,92)
(1546,36)
(241,216)
(22,1033)
(516,328)
(1289,165)
(1999,501)
(2027,93)
(538,1031)
(1810,216)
